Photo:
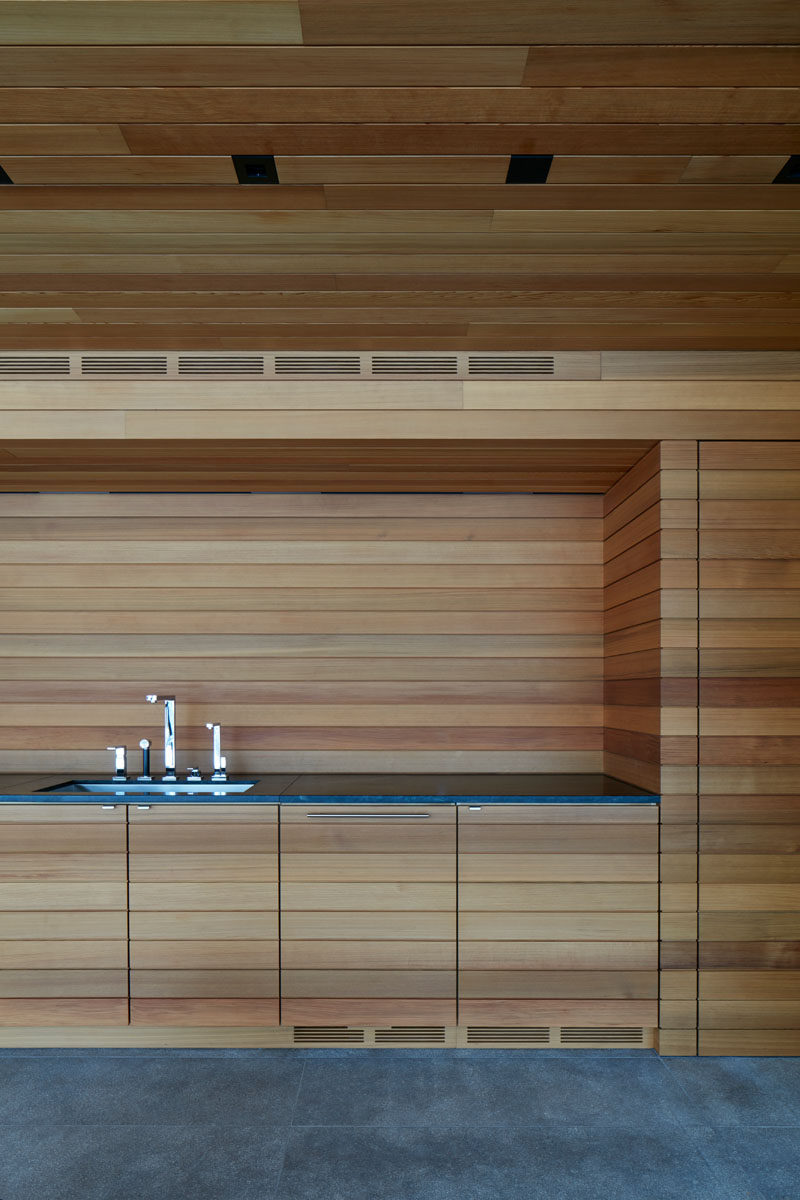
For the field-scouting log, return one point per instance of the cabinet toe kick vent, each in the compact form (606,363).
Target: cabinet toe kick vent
(576,1036)
(491,1035)
(438,366)
(317,364)
(523,366)
(210,365)
(39,366)
(327,1035)
(403,1035)
(123,366)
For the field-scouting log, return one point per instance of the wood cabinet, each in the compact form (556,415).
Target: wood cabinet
(204,914)
(558,915)
(63,915)
(368,915)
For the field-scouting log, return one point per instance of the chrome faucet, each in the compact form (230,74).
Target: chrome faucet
(169,775)
(120,763)
(219,761)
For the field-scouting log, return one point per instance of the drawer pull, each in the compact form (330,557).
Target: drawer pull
(143,807)
(368,816)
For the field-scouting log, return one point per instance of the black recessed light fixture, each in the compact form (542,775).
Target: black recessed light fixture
(529,168)
(255,168)
(790,171)
(5,177)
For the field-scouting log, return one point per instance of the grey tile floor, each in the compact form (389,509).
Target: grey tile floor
(396,1125)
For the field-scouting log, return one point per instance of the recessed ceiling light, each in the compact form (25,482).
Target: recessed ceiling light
(790,171)
(529,168)
(5,177)
(255,168)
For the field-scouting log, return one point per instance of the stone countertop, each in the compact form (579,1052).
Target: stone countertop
(357,789)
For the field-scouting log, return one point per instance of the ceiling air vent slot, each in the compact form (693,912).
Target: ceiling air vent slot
(317,364)
(220,364)
(405,1035)
(49,365)
(516,366)
(408,364)
(327,1035)
(524,1035)
(124,366)
(619,1037)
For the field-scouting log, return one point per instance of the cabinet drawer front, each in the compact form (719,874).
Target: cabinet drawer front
(367,837)
(62,984)
(200,954)
(205,1012)
(202,868)
(203,897)
(557,814)
(193,837)
(213,984)
(351,815)
(506,838)
(367,1011)
(174,926)
(205,814)
(42,813)
(386,984)
(369,897)
(83,1011)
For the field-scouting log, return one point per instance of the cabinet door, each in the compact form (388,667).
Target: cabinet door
(368,915)
(204,914)
(63,915)
(558,920)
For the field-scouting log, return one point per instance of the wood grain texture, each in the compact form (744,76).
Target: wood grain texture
(748,880)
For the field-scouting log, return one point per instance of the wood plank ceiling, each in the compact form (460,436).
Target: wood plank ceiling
(392,227)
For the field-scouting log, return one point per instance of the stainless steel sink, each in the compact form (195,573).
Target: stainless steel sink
(189,788)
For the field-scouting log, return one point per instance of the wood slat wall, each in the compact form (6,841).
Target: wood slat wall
(650,737)
(353,632)
(749,747)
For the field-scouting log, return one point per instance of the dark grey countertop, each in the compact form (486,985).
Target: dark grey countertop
(358,789)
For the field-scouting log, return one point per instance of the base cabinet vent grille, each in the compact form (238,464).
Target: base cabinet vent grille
(520,366)
(327,1035)
(403,1035)
(398,365)
(491,1035)
(617,1037)
(123,366)
(317,364)
(39,366)
(205,365)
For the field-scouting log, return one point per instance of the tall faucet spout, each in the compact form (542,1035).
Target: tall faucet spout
(169,735)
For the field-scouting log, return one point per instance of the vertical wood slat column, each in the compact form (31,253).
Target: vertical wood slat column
(678,748)
(368,915)
(204,914)
(750,748)
(63,918)
(650,528)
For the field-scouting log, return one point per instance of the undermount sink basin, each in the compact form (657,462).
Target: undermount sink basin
(135,788)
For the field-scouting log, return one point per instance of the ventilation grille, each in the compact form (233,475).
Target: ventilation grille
(326,1035)
(408,364)
(619,1037)
(403,1035)
(123,365)
(269,364)
(221,364)
(40,366)
(516,366)
(318,364)
(490,1035)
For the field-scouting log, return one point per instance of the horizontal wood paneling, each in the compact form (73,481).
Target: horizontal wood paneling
(555,538)
(749,897)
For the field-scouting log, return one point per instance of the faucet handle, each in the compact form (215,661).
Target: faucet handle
(120,763)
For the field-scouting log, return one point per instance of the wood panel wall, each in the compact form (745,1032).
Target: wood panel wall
(650,738)
(371,632)
(749,748)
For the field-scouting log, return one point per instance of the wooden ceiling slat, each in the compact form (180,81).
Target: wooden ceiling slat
(661,66)
(645,22)
(283,66)
(32,22)
(89,138)
(485,138)
(438,105)
(398,196)
(119,169)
